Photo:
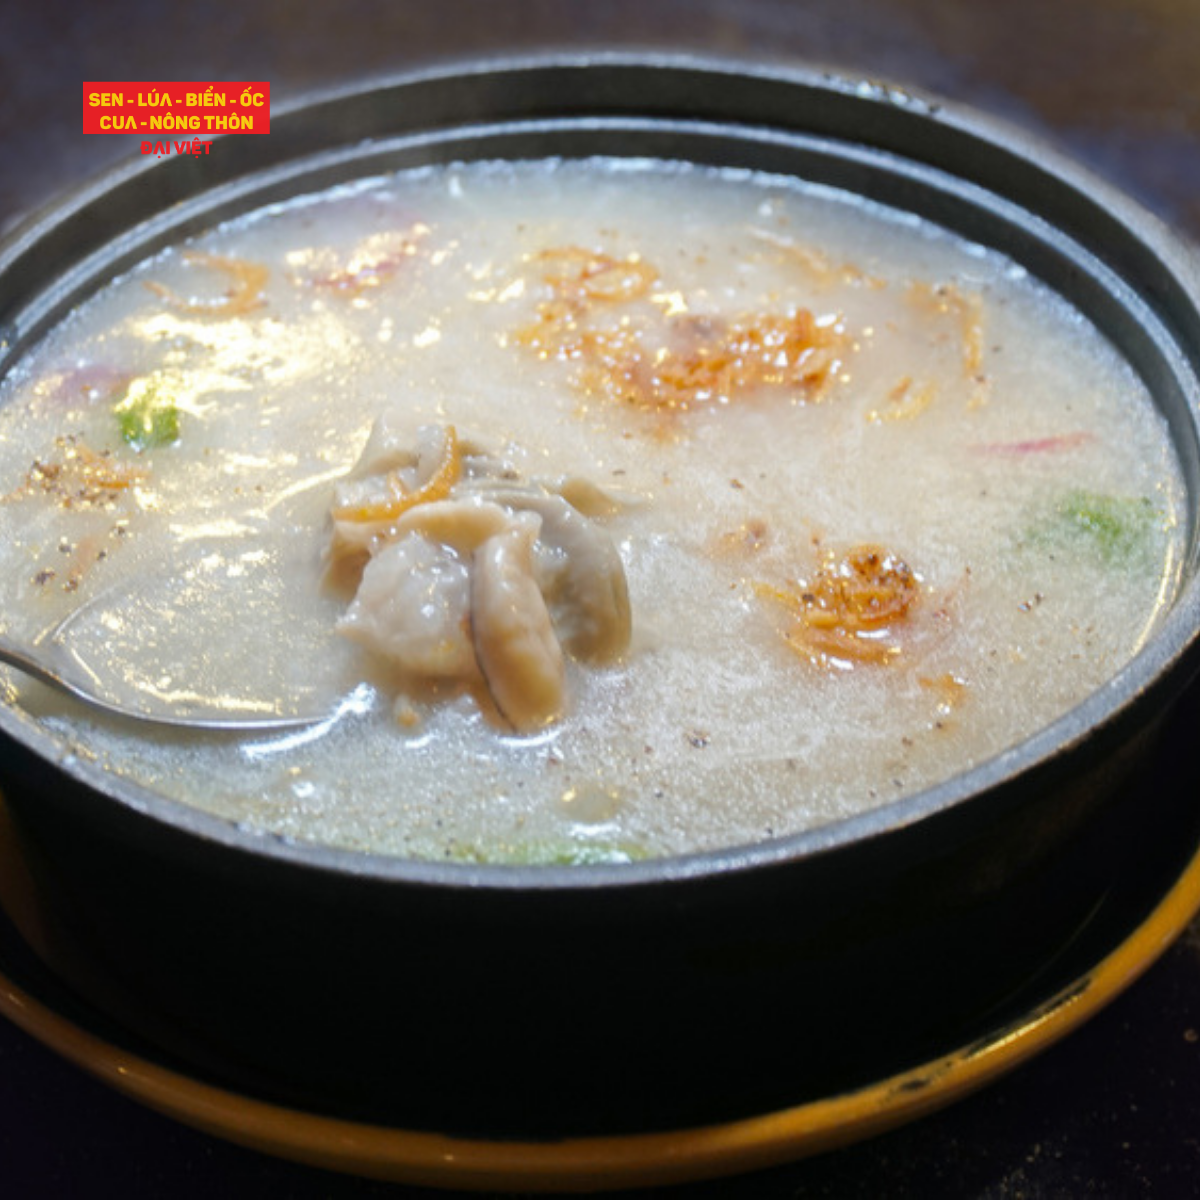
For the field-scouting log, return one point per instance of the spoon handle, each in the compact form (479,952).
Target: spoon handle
(13,656)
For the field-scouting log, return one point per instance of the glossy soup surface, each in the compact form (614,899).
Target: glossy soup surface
(881,505)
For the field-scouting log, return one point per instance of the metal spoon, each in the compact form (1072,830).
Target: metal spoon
(51,663)
(119,651)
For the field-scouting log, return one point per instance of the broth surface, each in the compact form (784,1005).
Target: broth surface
(762,385)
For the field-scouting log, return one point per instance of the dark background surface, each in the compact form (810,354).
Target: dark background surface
(1114,1111)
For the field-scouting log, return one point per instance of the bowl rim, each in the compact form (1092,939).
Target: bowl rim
(1159,671)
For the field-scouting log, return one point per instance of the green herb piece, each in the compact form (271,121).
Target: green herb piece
(550,854)
(1115,528)
(146,417)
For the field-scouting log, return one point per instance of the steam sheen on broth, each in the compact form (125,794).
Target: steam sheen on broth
(877,506)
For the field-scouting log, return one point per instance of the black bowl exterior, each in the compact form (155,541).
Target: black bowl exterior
(546,1002)
(538,1012)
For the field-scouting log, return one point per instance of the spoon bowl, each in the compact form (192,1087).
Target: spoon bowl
(52,663)
(170,646)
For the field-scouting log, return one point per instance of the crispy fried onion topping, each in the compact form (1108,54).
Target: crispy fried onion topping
(601,314)
(248,281)
(853,609)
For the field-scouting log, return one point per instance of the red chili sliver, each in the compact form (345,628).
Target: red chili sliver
(1046,445)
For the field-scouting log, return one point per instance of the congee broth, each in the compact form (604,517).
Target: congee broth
(615,508)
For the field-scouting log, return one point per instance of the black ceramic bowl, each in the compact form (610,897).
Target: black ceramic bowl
(534,1003)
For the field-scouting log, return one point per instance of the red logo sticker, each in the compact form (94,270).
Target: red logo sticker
(165,111)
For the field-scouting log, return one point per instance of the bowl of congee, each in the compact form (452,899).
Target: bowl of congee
(629,596)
